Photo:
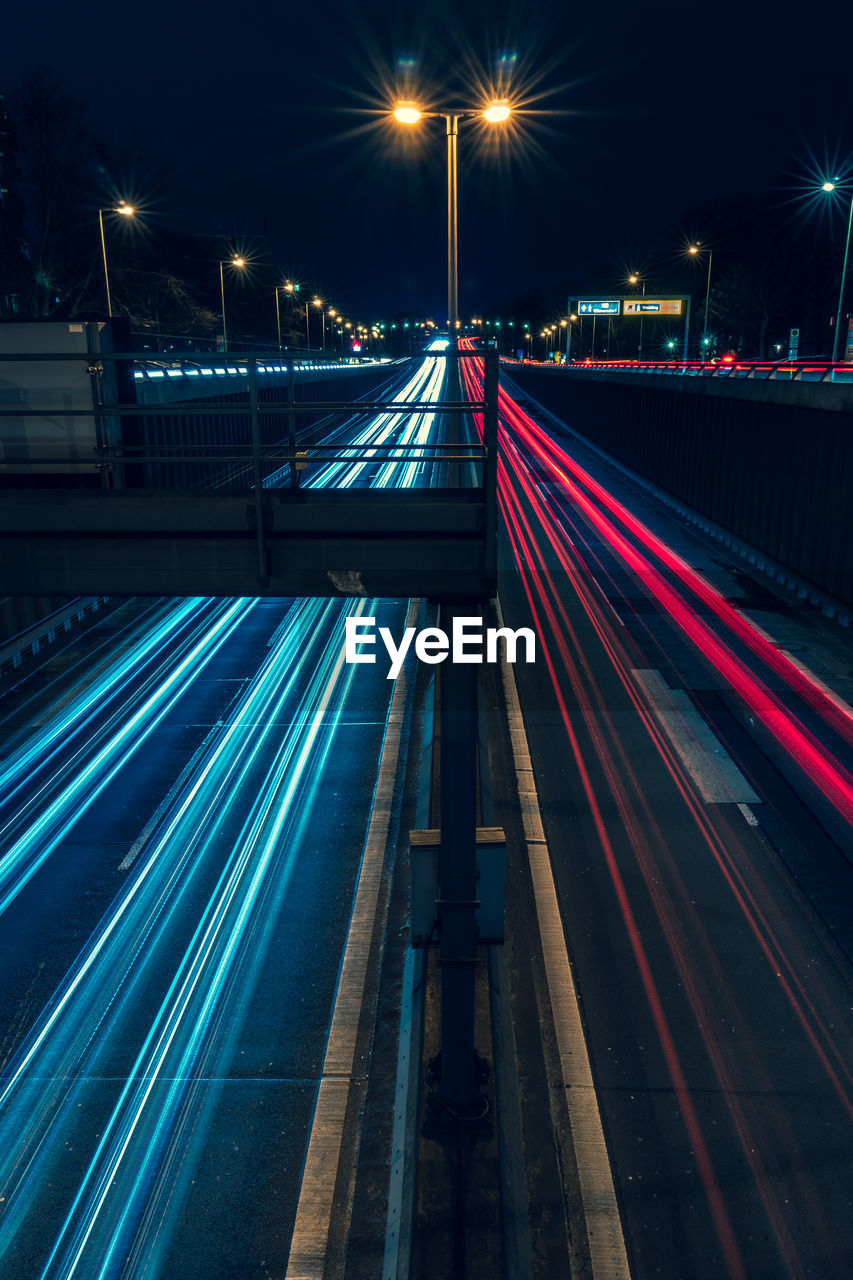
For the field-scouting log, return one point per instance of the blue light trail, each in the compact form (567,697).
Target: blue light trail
(107,1099)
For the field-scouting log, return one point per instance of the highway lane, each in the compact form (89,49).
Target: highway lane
(685,765)
(173,936)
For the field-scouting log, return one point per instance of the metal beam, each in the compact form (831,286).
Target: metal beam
(176,543)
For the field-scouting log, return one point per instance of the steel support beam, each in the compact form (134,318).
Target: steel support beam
(457,903)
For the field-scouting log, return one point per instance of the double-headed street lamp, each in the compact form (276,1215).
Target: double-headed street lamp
(232,262)
(128,211)
(457,846)
(409,113)
(831,186)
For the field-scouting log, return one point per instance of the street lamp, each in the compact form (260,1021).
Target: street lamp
(293,289)
(496,112)
(635,279)
(232,262)
(830,186)
(694,249)
(318,302)
(278,314)
(128,211)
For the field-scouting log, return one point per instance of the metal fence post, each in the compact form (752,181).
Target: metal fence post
(257,474)
(458,871)
(490,465)
(96,374)
(291,425)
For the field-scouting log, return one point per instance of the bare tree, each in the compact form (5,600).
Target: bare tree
(56,162)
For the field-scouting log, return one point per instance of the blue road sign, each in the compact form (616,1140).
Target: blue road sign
(597,307)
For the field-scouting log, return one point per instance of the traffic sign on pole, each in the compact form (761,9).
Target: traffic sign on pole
(599,307)
(653,306)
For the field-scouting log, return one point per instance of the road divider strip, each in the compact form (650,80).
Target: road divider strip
(604,1235)
(312,1228)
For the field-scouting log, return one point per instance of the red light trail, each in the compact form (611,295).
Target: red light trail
(536,521)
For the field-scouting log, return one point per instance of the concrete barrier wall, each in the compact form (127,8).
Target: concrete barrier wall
(776,472)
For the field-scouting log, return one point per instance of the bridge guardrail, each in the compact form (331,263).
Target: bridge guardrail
(771,370)
(116,481)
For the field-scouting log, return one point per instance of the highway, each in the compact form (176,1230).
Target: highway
(184,796)
(183,816)
(695,781)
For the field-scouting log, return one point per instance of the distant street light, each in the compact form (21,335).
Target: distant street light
(635,279)
(293,289)
(278,316)
(831,186)
(318,302)
(409,113)
(232,262)
(694,249)
(128,211)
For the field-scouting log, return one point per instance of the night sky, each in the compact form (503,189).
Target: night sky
(268,119)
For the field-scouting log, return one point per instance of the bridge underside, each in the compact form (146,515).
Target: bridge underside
(429,542)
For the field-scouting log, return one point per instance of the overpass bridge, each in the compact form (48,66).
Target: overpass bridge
(172,484)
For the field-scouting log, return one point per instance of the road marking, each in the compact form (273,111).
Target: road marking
(404,1138)
(704,757)
(167,801)
(748,814)
(310,1241)
(605,1238)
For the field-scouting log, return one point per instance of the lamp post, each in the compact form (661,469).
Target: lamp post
(457,864)
(293,289)
(128,211)
(233,262)
(635,279)
(277,317)
(409,113)
(694,249)
(830,186)
(318,302)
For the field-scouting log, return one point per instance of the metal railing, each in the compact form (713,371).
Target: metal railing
(772,370)
(248,440)
(268,392)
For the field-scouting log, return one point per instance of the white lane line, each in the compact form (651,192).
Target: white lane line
(168,800)
(605,1238)
(704,757)
(404,1133)
(310,1240)
(749,815)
